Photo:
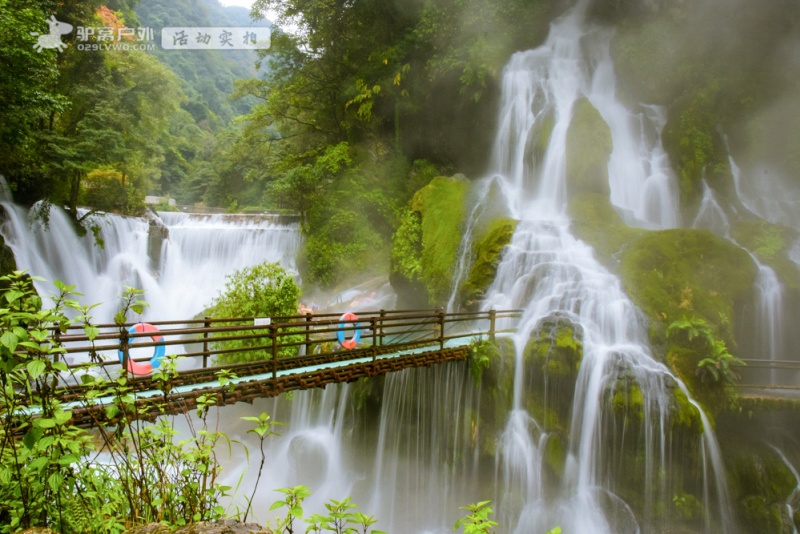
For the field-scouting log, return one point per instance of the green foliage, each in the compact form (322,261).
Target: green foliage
(766,240)
(675,273)
(262,429)
(338,519)
(589,147)
(263,290)
(720,365)
(481,354)
(487,250)
(407,246)
(207,76)
(426,242)
(49,469)
(477,521)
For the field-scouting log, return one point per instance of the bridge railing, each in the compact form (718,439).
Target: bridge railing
(211,343)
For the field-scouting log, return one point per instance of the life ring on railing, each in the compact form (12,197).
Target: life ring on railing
(353,341)
(145,368)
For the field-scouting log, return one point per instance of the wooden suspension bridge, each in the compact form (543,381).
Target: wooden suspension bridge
(286,353)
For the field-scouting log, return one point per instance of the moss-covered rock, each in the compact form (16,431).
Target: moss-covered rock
(760,482)
(555,454)
(7,262)
(676,273)
(497,391)
(553,356)
(770,243)
(487,250)
(589,146)
(595,221)
(425,245)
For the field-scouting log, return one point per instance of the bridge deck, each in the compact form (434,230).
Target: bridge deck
(151,403)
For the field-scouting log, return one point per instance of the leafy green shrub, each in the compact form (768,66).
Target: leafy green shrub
(263,290)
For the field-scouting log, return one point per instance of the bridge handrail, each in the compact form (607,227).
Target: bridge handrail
(402,326)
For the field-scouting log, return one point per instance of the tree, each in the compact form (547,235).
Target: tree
(263,290)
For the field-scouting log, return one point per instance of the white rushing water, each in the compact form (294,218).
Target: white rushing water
(549,273)
(189,272)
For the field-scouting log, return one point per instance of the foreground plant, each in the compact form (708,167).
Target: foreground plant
(340,518)
(477,521)
(54,474)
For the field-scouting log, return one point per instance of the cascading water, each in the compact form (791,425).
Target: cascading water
(548,273)
(194,259)
(768,341)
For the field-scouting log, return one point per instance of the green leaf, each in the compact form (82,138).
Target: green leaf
(36,368)
(62,417)
(43,422)
(9,340)
(32,436)
(119,317)
(91,332)
(38,463)
(55,480)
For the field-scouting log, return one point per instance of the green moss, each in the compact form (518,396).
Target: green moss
(595,221)
(770,243)
(542,137)
(425,244)
(687,506)
(441,205)
(671,274)
(487,250)
(628,400)
(552,356)
(555,454)
(684,415)
(7,262)
(589,147)
(555,350)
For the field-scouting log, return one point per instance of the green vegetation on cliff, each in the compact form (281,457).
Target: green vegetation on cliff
(426,243)
(681,272)
(487,251)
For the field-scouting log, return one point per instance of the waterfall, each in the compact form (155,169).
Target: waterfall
(194,259)
(769,339)
(549,273)
(420,459)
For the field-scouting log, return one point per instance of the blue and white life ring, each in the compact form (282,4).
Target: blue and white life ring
(145,368)
(353,341)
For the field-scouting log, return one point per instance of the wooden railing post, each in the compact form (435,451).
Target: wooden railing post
(308,344)
(492,319)
(383,316)
(273,333)
(441,330)
(124,344)
(374,329)
(206,326)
